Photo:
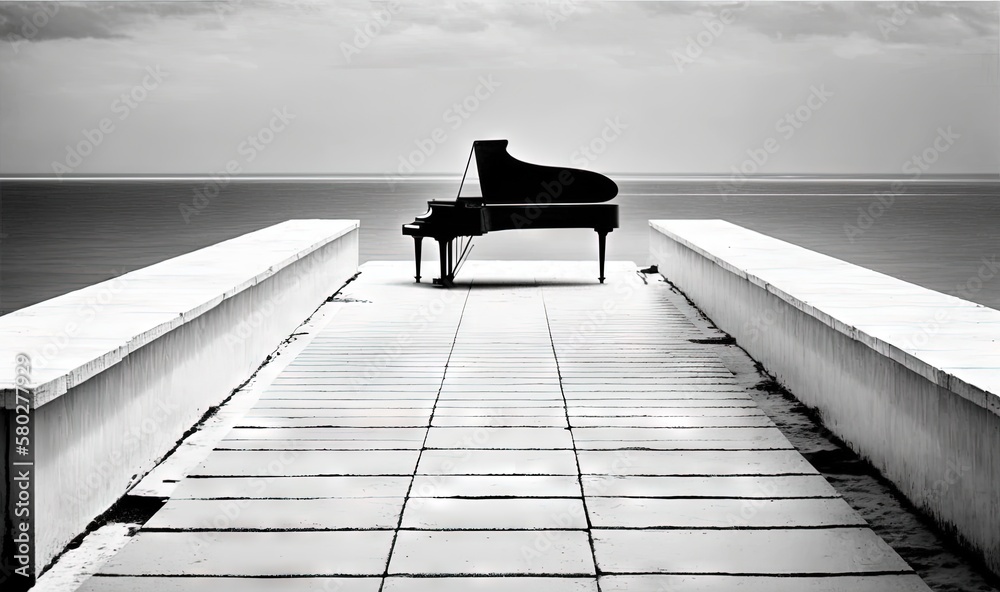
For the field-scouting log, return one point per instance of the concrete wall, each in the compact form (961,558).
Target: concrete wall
(122,369)
(906,376)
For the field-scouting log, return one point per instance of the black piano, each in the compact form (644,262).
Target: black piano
(499,192)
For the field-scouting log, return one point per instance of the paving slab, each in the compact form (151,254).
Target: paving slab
(497,462)
(585,396)
(666,384)
(488,552)
(488,411)
(498,385)
(651,406)
(632,512)
(489,584)
(494,514)
(617,434)
(334,422)
(503,437)
(253,554)
(681,445)
(753,487)
(278,514)
(350,395)
(680,439)
(336,381)
(632,411)
(338,413)
(671,422)
(448,403)
(291,487)
(693,462)
(520,421)
(222,584)
(721,400)
(772,551)
(265,463)
(701,583)
(315,445)
(358,404)
(349,434)
(548,398)
(491,486)
(398,387)
(662,389)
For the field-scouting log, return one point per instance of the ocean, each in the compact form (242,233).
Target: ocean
(59,236)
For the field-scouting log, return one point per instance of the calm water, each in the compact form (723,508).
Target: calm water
(58,237)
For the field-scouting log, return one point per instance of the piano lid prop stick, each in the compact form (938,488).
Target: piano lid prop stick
(464,257)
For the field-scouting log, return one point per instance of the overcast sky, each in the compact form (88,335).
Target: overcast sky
(358,87)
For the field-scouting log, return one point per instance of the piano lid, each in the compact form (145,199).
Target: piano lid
(496,177)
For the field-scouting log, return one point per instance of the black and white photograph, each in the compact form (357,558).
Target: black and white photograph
(500,296)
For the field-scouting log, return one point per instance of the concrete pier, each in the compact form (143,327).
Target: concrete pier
(99,384)
(907,376)
(529,429)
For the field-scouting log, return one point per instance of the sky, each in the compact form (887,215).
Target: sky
(397,88)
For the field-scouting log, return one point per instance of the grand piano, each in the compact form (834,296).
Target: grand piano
(499,192)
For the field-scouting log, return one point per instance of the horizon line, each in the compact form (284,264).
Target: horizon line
(393,178)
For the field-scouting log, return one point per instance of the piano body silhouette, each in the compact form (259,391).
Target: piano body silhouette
(499,192)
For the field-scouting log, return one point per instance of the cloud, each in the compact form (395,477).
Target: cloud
(549,22)
(581,35)
(929,23)
(42,21)
(46,21)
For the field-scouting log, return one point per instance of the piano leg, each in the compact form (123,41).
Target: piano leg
(416,247)
(451,263)
(602,236)
(444,253)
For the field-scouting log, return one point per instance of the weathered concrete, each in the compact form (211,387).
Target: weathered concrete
(120,370)
(523,504)
(908,377)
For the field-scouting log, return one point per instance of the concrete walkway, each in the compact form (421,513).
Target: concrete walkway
(537,431)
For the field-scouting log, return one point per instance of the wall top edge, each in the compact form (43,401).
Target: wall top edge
(952,342)
(76,335)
